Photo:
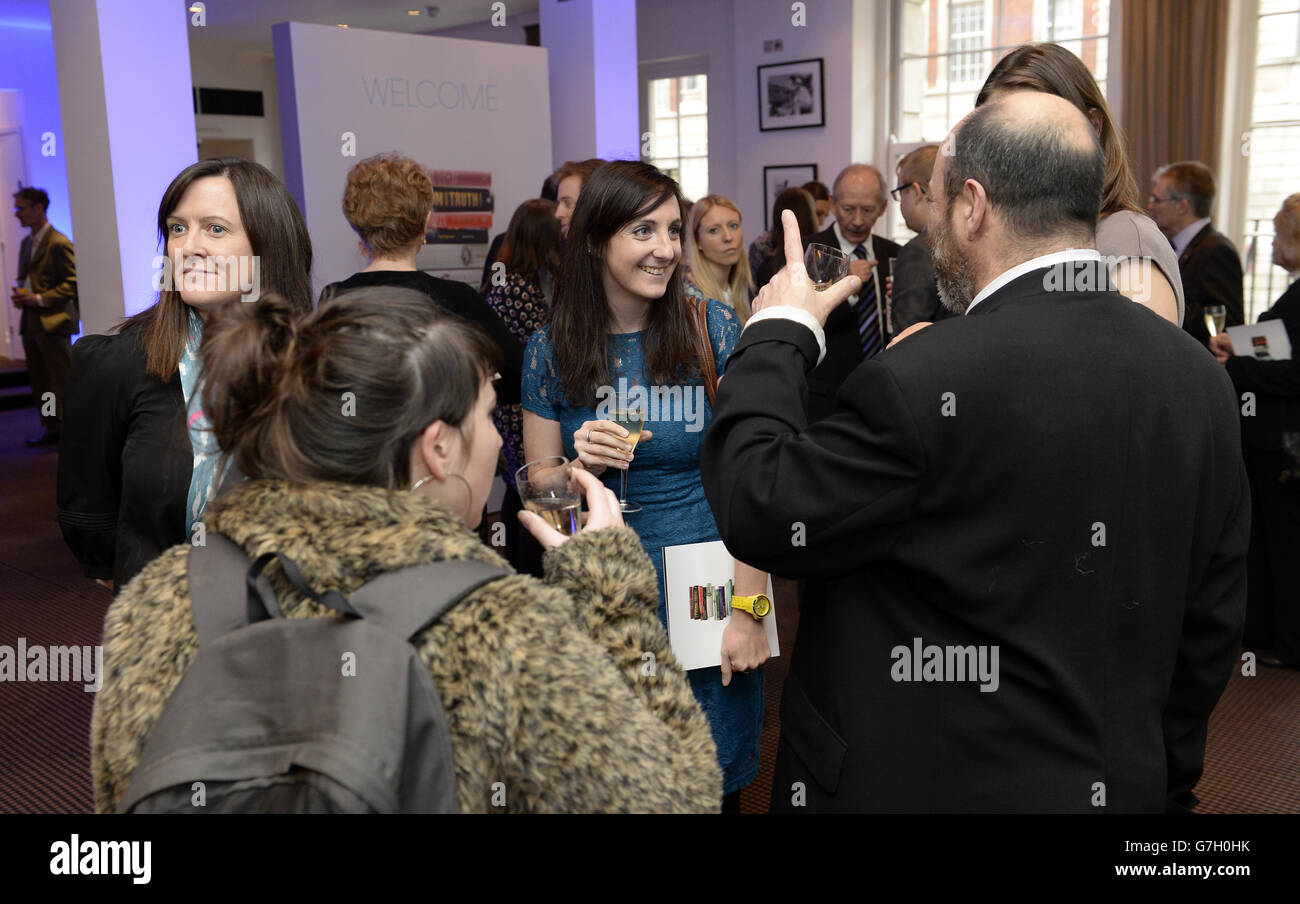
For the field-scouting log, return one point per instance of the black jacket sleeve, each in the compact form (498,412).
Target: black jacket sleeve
(1222,278)
(805,501)
(1279,378)
(95,421)
(916,293)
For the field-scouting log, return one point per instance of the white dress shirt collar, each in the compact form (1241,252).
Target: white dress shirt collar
(1187,233)
(1046,260)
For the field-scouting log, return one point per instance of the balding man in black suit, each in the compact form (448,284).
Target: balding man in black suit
(1024,580)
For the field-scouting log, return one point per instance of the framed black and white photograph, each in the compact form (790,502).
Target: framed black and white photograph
(777,179)
(791,96)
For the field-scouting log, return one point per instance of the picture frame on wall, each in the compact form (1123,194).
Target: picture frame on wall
(777,179)
(791,96)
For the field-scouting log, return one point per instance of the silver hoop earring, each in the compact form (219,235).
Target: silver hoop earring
(469,497)
(421,482)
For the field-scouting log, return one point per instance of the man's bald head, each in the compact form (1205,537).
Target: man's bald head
(1039,162)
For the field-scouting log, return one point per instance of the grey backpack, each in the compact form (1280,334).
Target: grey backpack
(305,715)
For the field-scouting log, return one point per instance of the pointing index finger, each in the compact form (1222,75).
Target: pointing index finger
(793,241)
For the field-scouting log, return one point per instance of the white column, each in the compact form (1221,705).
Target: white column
(128,129)
(592,55)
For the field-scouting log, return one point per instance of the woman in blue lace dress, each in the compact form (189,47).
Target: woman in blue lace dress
(620,319)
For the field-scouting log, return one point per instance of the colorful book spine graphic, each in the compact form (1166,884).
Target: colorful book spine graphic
(710,602)
(463,206)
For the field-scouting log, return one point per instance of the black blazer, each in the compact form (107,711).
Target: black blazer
(459,299)
(1211,272)
(1276,384)
(959,495)
(916,287)
(843,345)
(125,459)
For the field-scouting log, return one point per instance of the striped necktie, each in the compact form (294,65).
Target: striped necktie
(868,313)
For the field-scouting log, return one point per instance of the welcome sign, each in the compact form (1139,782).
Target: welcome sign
(475,113)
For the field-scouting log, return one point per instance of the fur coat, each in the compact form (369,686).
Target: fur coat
(546,685)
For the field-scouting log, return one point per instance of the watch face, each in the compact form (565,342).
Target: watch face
(762,605)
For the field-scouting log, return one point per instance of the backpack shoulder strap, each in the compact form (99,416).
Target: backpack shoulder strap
(409,600)
(216,573)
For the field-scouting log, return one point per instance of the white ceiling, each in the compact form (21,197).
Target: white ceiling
(250,21)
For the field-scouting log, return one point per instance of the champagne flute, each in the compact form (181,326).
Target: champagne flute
(1215,317)
(631,417)
(547,487)
(825,265)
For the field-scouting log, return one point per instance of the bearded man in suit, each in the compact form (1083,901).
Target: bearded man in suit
(1024,581)
(46,293)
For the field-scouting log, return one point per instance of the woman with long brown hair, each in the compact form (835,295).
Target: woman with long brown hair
(621,322)
(138,464)
(1126,236)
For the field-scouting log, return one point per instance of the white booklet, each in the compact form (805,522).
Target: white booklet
(698,583)
(1266,340)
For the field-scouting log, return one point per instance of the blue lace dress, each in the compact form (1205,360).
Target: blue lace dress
(664,477)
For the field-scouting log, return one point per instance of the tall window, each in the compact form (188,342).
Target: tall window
(677,118)
(965,40)
(1273,139)
(945,50)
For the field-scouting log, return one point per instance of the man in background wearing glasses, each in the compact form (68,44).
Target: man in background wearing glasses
(1181,197)
(916,289)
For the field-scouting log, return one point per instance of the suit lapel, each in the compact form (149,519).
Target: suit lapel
(38,253)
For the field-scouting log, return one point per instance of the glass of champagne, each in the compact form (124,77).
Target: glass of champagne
(1215,316)
(631,417)
(825,265)
(548,488)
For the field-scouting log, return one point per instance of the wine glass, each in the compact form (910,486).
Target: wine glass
(630,415)
(1215,316)
(825,265)
(547,487)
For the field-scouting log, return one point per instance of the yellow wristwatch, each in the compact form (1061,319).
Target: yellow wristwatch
(757,606)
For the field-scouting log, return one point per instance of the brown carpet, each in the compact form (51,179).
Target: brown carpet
(1252,761)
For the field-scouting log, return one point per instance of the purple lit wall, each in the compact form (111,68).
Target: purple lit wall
(592,55)
(27,65)
(125,89)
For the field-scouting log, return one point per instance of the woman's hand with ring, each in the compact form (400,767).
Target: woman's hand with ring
(603,444)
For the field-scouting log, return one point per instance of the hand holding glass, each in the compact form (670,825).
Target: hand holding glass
(548,488)
(825,265)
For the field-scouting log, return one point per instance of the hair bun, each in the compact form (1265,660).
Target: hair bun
(245,345)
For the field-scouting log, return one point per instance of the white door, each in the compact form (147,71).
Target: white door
(12,171)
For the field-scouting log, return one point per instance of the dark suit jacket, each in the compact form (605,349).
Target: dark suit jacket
(916,288)
(125,459)
(52,270)
(1211,272)
(1276,384)
(843,345)
(958,495)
